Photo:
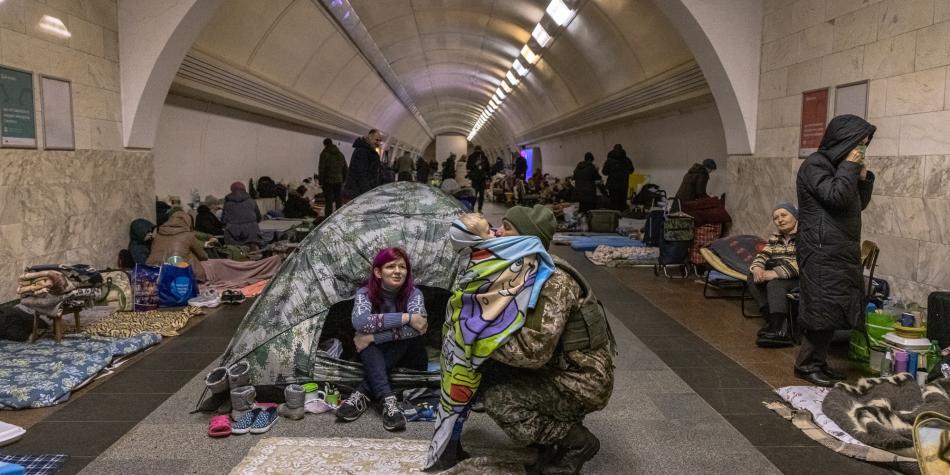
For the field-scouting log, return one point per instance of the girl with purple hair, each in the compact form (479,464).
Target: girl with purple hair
(389,316)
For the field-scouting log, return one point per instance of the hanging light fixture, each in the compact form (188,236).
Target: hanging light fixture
(529,55)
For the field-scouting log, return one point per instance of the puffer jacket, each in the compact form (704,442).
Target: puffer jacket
(694,183)
(175,238)
(586,177)
(364,172)
(240,217)
(332,167)
(618,168)
(831,196)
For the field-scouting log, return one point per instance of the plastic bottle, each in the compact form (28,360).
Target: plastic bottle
(900,362)
(886,363)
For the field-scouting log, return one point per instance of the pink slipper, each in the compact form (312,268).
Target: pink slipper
(219,426)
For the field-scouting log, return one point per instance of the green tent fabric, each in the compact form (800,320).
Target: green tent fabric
(280,333)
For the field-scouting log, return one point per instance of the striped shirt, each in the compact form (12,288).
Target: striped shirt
(781,251)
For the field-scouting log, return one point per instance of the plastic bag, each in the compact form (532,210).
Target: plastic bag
(176,285)
(145,287)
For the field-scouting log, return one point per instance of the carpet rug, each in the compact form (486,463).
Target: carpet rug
(301,455)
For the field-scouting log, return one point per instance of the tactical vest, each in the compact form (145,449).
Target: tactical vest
(587,327)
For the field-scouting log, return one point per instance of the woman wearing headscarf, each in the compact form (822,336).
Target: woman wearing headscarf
(176,238)
(140,240)
(206,222)
(773,274)
(833,186)
(240,217)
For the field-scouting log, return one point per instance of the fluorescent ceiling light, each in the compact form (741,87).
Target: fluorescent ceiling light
(501,94)
(506,87)
(529,55)
(512,79)
(541,35)
(559,12)
(520,68)
(55,26)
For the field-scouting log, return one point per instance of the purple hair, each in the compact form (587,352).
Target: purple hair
(374,285)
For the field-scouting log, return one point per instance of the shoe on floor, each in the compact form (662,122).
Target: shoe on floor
(266,418)
(245,422)
(833,374)
(818,378)
(207,299)
(393,418)
(773,340)
(352,407)
(233,297)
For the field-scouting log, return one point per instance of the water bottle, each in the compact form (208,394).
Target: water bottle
(886,363)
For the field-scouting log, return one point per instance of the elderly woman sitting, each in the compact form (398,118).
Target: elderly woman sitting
(774,272)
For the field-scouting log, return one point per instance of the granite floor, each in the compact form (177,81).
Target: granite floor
(687,399)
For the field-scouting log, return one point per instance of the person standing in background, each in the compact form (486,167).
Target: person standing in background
(618,168)
(332,173)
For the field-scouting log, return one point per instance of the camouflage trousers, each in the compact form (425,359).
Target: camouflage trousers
(530,408)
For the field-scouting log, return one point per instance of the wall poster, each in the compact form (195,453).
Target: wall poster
(852,99)
(57,105)
(814,118)
(17,116)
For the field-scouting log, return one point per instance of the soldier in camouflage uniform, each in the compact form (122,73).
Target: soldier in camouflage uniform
(539,394)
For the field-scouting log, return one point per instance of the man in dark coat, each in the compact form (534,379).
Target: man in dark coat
(521,168)
(498,167)
(332,171)
(364,172)
(585,183)
(480,174)
(422,170)
(448,167)
(693,186)
(618,168)
(833,188)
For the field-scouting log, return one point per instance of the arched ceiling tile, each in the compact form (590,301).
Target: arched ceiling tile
(323,67)
(577,74)
(407,47)
(608,55)
(650,35)
(236,30)
(288,47)
(554,88)
(343,83)
(394,30)
(371,88)
(374,12)
(451,21)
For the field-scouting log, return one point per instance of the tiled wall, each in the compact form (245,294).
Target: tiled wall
(69,207)
(903,48)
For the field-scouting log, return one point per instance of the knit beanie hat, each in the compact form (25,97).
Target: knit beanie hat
(237,186)
(709,163)
(538,221)
(787,207)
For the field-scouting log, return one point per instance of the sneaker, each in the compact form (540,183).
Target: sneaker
(232,297)
(393,418)
(266,418)
(352,407)
(245,422)
(208,299)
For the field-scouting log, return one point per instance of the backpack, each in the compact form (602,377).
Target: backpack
(266,187)
(587,326)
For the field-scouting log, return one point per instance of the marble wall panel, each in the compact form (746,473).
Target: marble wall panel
(856,28)
(933,46)
(780,53)
(837,8)
(925,134)
(886,138)
(772,84)
(898,217)
(933,265)
(816,41)
(877,98)
(804,76)
(907,290)
(889,57)
(938,218)
(843,67)
(70,207)
(781,142)
(937,176)
(898,176)
(898,255)
(941,10)
(922,91)
(900,16)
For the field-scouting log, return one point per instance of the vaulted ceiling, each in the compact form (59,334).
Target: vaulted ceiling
(450,56)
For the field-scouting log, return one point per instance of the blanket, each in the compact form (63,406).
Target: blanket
(880,412)
(42,374)
(623,256)
(129,324)
(37,464)
(590,243)
(500,283)
(225,274)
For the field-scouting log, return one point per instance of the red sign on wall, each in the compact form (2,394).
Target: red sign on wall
(814,117)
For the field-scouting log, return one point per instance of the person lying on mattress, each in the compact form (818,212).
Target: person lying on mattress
(389,316)
(501,281)
(773,273)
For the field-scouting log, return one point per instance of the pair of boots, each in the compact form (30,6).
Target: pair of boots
(567,455)
(293,407)
(775,333)
(231,391)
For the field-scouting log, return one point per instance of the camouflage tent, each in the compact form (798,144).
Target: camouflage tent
(279,336)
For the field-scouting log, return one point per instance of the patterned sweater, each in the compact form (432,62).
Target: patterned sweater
(386,326)
(781,252)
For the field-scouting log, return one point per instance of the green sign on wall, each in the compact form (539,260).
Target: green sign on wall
(17,117)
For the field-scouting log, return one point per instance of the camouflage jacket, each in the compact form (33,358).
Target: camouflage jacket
(586,375)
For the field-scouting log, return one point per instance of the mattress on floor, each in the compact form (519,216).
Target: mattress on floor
(568,237)
(44,373)
(591,243)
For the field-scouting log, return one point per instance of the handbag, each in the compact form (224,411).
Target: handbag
(117,289)
(678,225)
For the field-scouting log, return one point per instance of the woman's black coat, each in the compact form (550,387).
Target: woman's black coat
(831,196)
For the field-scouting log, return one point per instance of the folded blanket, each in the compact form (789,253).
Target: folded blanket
(500,283)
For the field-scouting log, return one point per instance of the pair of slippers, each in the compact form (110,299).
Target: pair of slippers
(232,297)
